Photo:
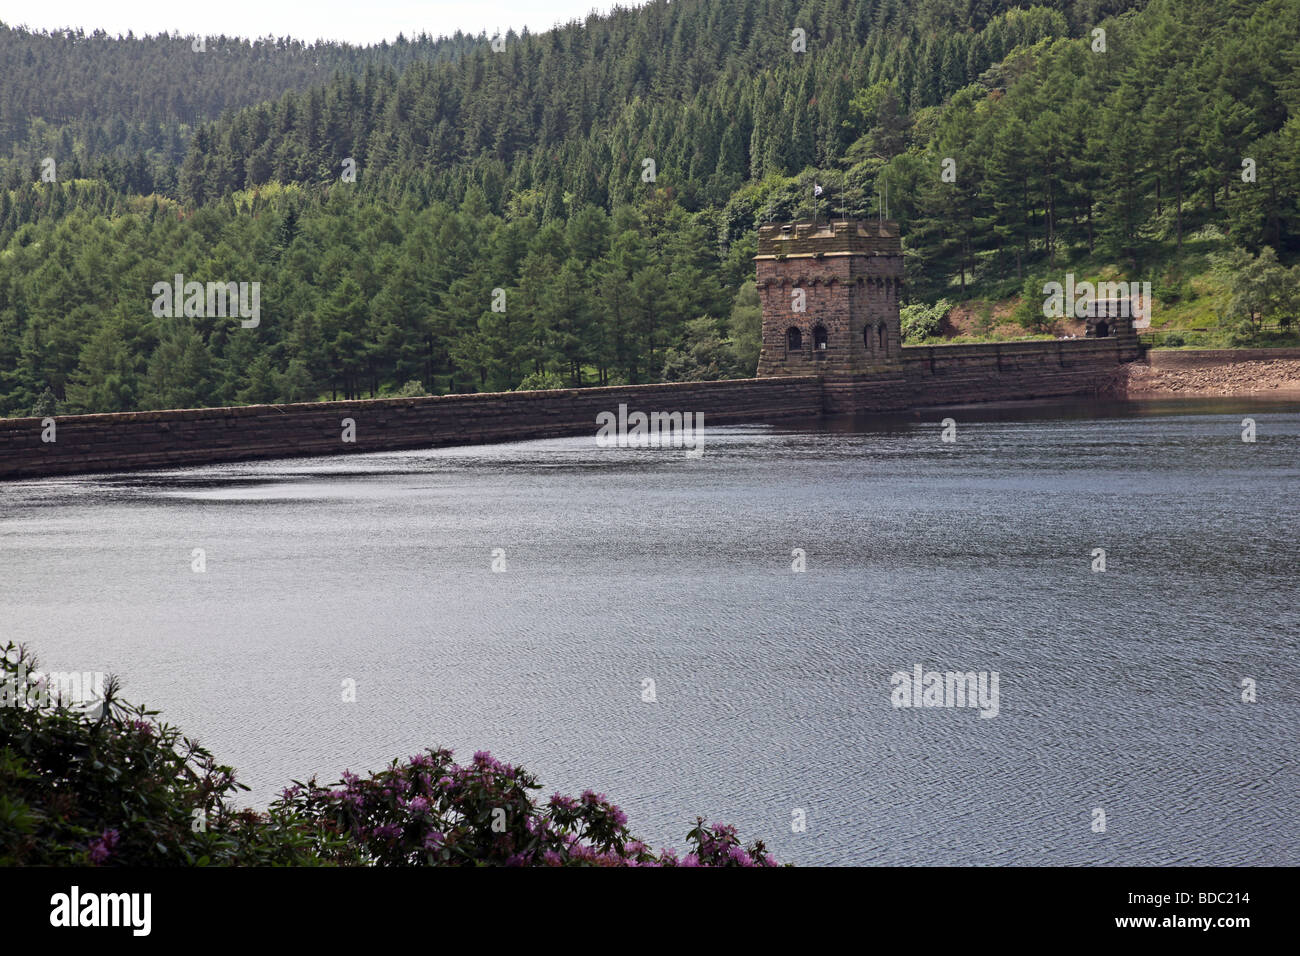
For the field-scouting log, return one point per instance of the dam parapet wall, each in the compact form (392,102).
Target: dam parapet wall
(925,376)
(165,439)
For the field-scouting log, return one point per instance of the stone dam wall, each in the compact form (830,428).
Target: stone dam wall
(961,374)
(164,439)
(926,376)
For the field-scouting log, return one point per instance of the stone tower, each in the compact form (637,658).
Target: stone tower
(830,296)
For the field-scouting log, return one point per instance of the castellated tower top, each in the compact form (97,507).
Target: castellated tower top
(839,237)
(830,295)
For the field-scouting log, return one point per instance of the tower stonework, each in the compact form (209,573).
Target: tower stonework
(830,295)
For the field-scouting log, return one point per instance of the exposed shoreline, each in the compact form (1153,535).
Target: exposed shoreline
(1216,373)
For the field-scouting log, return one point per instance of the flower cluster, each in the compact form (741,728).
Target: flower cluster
(119,787)
(432,811)
(101,848)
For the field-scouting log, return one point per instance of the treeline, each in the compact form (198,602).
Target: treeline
(1122,145)
(1060,141)
(357,298)
(1011,142)
(123,108)
(715,92)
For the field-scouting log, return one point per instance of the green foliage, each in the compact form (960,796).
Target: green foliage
(1028,313)
(1172,289)
(122,109)
(46,404)
(521,171)
(745,330)
(703,355)
(1243,335)
(114,785)
(1061,153)
(356,300)
(540,381)
(1260,289)
(412,389)
(920,321)
(879,109)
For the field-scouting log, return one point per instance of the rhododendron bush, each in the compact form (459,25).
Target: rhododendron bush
(430,810)
(109,784)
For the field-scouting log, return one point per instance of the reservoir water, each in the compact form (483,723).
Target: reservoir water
(1119,691)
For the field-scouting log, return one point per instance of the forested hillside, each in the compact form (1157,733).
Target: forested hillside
(579,206)
(123,108)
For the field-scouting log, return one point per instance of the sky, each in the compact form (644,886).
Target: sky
(354,21)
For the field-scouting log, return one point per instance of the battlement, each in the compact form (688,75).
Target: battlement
(839,237)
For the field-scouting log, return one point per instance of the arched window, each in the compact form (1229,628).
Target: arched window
(880,336)
(1103,330)
(866,337)
(793,339)
(819,337)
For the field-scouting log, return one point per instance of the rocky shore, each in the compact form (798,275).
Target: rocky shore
(1208,372)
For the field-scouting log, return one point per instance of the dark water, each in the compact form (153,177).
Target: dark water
(1119,691)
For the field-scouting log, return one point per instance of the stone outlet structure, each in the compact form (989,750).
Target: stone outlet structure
(831,296)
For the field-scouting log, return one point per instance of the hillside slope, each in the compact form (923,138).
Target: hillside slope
(580,206)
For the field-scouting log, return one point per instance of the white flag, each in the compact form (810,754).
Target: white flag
(817,190)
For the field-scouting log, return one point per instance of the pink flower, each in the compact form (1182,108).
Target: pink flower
(102,848)
(738,856)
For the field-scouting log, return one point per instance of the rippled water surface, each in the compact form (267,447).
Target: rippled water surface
(1118,690)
